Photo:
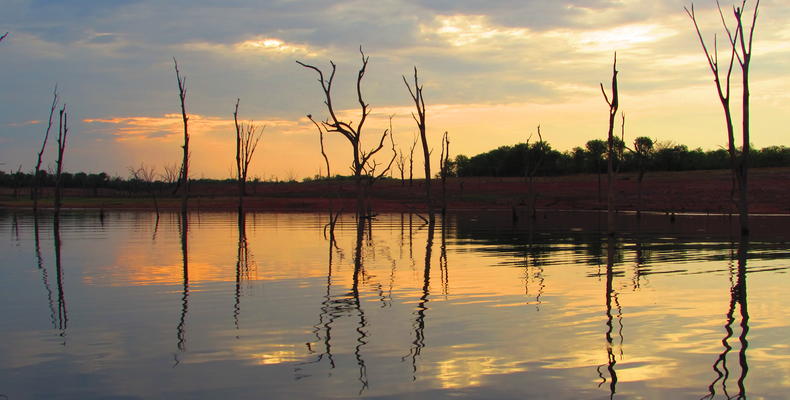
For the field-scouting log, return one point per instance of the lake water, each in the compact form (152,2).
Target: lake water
(471,306)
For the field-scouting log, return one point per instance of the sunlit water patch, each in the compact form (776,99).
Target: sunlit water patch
(125,305)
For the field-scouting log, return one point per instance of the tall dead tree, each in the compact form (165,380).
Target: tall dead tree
(182,93)
(419,103)
(400,163)
(411,161)
(333,216)
(643,149)
(248,134)
(362,159)
(34,193)
(613,105)
(740,48)
(63,131)
(444,158)
(147,177)
(532,166)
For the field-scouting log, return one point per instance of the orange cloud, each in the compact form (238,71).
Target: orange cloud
(162,128)
(31,122)
(171,125)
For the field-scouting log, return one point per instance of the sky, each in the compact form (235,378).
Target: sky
(492,72)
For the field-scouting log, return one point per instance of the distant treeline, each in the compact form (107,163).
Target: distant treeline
(82,180)
(539,159)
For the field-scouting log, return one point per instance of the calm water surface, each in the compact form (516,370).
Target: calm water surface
(470,306)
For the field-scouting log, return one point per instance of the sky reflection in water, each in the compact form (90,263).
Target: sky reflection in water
(124,306)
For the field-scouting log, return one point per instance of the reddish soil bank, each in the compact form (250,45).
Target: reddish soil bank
(695,191)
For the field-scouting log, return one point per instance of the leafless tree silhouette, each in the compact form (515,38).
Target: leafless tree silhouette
(363,165)
(248,134)
(643,147)
(419,102)
(444,158)
(741,49)
(34,193)
(532,167)
(171,173)
(400,163)
(184,180)
(63,131)
(614,103)
(147,176)
(411,161)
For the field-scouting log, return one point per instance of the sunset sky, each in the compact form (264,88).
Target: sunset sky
(492,72)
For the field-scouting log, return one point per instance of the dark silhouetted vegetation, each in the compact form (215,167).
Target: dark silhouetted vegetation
(517,160)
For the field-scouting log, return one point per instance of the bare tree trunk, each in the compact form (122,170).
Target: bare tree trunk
(739,163)
(34,192)
(532,193)
(613,105)
(238,158)
(419,102)
(444,158)
(182,92)
(247,138)
(745,59)
(411,162)
(63,131)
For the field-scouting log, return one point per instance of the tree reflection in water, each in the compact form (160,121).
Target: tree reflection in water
(610,295)
(419,322)
(738,296)
(334,307)
(43,269)
(533,268)
(63,318)
(245,264)
(181,328)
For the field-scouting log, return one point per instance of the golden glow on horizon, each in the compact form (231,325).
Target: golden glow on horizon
(463,30)
(274,45)
(620,38)
(159,128)
(289,147)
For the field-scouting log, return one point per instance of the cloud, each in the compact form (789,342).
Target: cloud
(25,123)
(258,46)
(169,127)
(165,127)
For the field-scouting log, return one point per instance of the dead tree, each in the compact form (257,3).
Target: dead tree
(740,48)
(362,159)
(34,193)
(411,161)
(184,180)
(371,168)
(400,163)
(171,174)
(444,158)
(613,105)
(321,142)
(147,176)
(419,102)
(532,166)
(63,131)
(247,137)
(333,216)
(643,148)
